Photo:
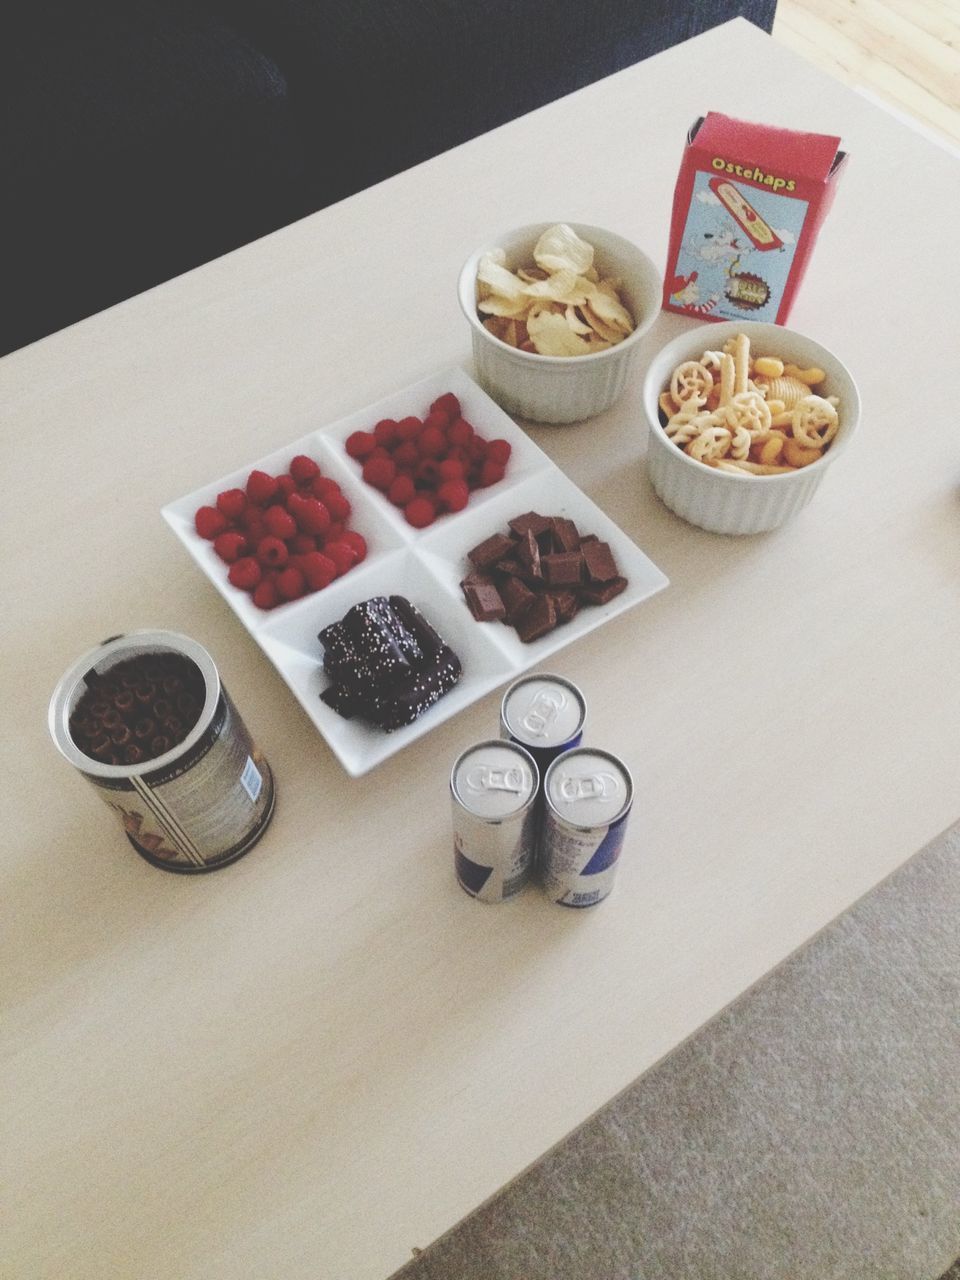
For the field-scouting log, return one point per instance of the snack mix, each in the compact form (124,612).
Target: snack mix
(557,305)
(747,414)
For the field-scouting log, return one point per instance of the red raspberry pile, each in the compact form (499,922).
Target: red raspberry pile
(283,536)
(428,466)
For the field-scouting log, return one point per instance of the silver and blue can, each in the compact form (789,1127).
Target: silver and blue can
(588,795)
(545,714)
(493,786)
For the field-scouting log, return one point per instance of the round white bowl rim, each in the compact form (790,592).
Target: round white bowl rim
(837,445)
(468,275)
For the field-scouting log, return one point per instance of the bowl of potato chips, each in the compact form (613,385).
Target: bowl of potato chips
(556,313)
(744,421)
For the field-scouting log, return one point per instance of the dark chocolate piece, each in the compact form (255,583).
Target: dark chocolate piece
(567,605)
(484,600)
(511,567)
(599,562)
(528,552)
(563,568)
(565,534)
(530,520)
(491,550)
(537,620)
(517,596)
(601,592)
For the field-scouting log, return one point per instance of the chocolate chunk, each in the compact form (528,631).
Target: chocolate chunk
(517,596)
(601,592)
(491,550)
(528,552)
(599,562)
(567,605)
(530,520)
(563,568)
(566,536)
(512,567)
(483,599)
(537,620)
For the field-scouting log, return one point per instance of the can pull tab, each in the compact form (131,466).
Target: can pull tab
(544,708)
(592,786)
(484,777)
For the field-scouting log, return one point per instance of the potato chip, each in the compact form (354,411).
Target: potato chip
(560,248)
(552,336)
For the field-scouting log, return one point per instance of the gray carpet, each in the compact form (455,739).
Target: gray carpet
(810,1132)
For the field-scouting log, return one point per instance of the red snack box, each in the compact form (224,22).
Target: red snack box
(747,208)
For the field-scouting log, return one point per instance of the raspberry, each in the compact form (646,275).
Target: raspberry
(334,533)
(385,432)
(360,444)
(301,544)
(436,418)
(460,432)
(245,573)
(431,442)
(379,472)
(342,554)
(451,469)
(285,486)
(208,522)
(232,503)
(357,541)
(499,451)
(230,546)
(310,514)
(408,428)
(272,552)
(261,487)
(322,486)
(406,454)
(427,475)
(303,469)
(454,494)
(420,512)
(448,404)
(490,473)
(338,505)
(477,448)
(279,522)
(252,521)
(265,595)
(401,491)
(318,570)
(291,583)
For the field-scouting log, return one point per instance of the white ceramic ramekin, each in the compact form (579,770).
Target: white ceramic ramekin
(560,389)
(721,501)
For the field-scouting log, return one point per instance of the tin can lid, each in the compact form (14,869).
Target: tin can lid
(588,788)
(543,710)
(494,779)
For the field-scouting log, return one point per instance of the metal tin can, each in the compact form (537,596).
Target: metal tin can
(588,795)
(545,714)
(197,806)
(493,786)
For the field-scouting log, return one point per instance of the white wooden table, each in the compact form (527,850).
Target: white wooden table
(309,1063)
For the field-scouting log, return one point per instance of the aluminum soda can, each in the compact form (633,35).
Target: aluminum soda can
(493,786)
(545,714)
(587,799)
(196,806)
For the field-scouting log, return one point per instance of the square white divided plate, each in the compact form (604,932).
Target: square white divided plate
(425,565)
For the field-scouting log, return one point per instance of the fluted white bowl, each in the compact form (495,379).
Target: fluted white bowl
(561,389)
(721,501)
